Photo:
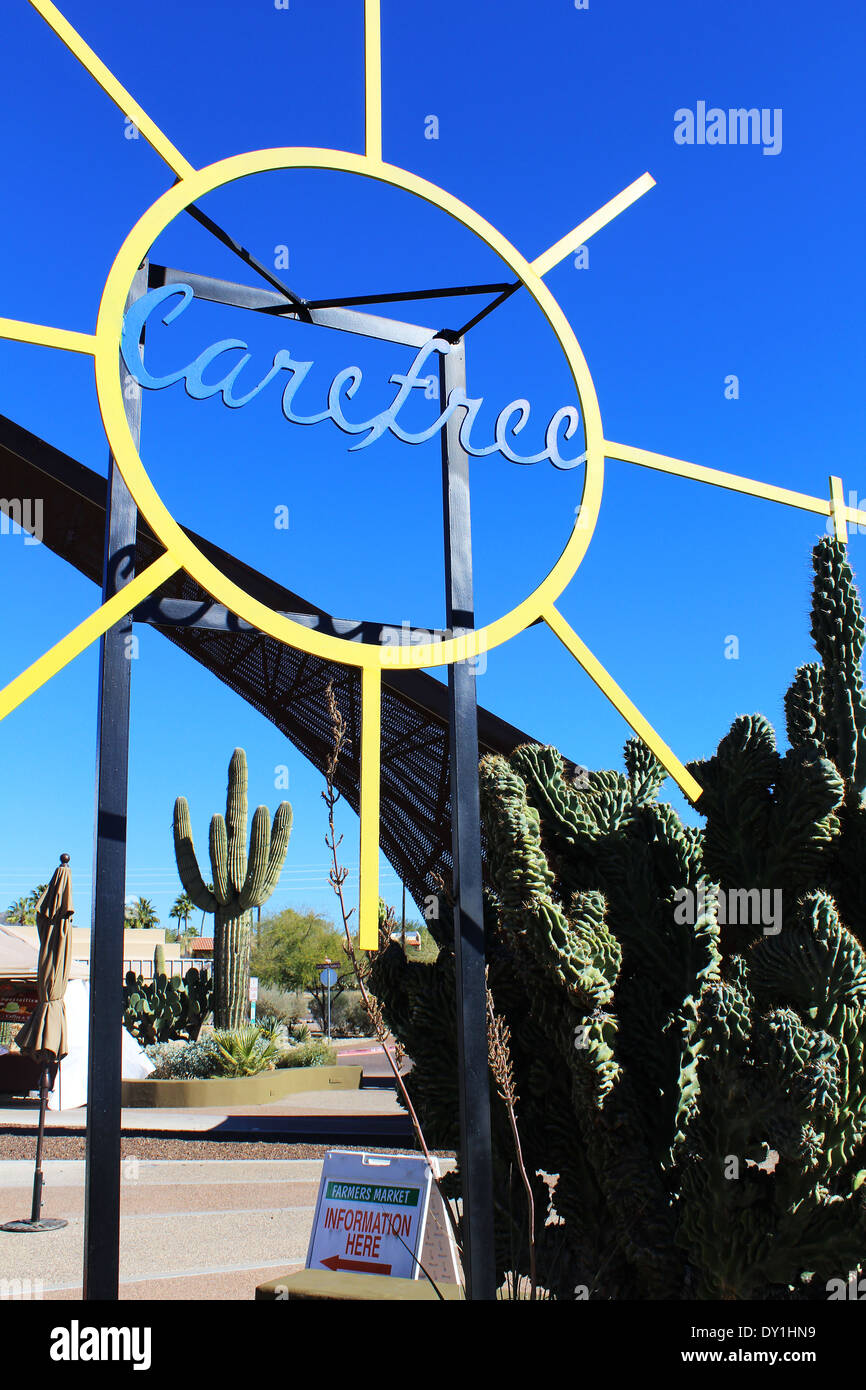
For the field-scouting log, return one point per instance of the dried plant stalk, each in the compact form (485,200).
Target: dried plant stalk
(499,1056)
(337,877)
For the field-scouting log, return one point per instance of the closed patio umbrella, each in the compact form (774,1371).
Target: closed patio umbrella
(43,1036)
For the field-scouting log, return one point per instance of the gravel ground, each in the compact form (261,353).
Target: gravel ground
(72,1146)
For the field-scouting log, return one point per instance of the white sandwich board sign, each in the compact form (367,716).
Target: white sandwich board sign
(371,1214)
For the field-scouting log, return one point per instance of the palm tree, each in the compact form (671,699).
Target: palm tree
(35,896)
(142,913)
(18,913)
(182,911)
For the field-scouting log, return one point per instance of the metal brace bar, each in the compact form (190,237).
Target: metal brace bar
(192,613)
(246,256)
(268,302)
(447,292)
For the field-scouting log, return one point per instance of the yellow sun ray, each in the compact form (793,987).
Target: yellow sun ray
(839,512)
(716,477)
(110,85)
(81,637)
(368,811)
(43,336)
(618,698)
(592,224)
(372,80)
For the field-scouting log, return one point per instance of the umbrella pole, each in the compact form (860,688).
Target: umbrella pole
(37,1176)
(37,1222)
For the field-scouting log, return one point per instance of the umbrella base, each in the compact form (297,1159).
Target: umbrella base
(45,1223)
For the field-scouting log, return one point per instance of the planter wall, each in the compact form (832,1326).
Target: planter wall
(322,1284)
(244,1090)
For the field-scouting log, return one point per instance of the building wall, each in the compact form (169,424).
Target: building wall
(138,943)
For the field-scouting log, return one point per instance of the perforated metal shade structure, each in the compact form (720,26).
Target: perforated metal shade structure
(286,686)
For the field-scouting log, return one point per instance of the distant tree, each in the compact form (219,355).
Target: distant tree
(180,934)
(182,911)
(142,913)
(426,951)
(35,896)
(19,913)
(290,949)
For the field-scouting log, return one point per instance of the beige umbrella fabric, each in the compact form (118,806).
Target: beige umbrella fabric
(43,1036)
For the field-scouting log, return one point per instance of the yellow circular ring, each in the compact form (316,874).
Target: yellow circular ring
(108,330)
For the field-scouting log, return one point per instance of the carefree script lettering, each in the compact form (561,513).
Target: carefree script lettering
(510,421)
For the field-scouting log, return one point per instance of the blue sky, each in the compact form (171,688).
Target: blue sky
(737,263)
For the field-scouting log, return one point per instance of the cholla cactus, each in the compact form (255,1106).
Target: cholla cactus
(241,881)
(698,1086)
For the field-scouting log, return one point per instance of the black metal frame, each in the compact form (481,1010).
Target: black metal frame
(104,1081)
(473,1082)
(102,1154)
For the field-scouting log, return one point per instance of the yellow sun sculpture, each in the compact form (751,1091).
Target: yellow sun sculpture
(181,552)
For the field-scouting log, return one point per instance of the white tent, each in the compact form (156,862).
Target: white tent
(19,961)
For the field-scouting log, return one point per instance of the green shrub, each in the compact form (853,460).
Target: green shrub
(270,1027)
(311,1054)
(183,1061)
(348,1016)
(245,1051)
(283,1005)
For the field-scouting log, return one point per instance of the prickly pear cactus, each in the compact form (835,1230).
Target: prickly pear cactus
(162,1010)
(241,881)
(692,1076)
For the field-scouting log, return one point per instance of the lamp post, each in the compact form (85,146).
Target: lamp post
(328,977)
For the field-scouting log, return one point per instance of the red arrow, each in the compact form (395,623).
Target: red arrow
(359,1266)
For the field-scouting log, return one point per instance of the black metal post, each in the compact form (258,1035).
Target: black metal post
(473,1078)
(102,1170)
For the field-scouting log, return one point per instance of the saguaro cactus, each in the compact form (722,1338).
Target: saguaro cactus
(241,881)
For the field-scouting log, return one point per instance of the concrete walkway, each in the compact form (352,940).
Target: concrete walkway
(209,1229)
(308,1112)
(365,1102)
(205,1230)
